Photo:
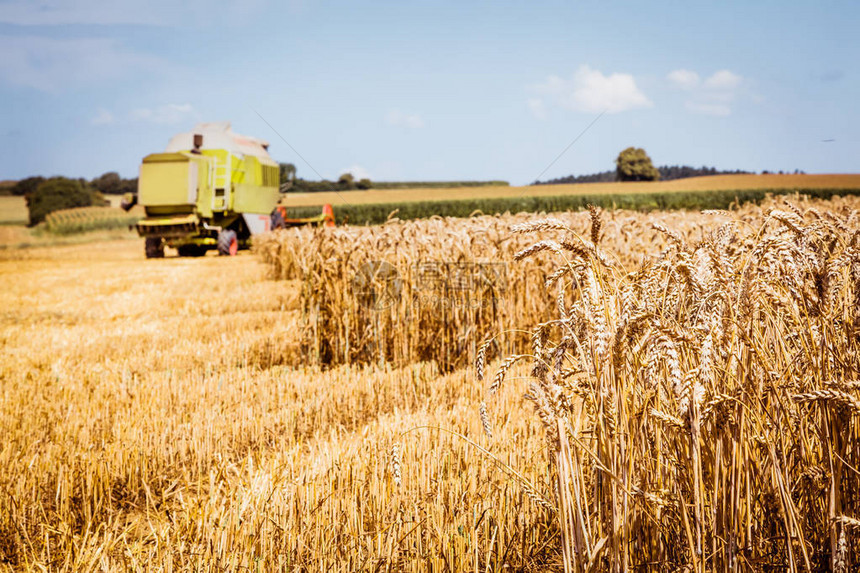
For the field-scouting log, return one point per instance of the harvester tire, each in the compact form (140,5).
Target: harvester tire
(191,250)
(154,248)
(228,243)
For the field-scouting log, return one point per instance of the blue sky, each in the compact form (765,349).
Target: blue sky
(433,90)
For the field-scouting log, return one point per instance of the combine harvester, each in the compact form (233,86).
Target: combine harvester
(211,189)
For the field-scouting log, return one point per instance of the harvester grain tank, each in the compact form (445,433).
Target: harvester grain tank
(211,188)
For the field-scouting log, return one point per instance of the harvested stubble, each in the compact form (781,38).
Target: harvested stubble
(701,412)
(149,424)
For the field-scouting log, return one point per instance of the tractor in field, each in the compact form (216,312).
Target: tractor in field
(210,189)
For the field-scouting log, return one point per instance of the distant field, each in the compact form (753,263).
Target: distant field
(13,210)
(15,234)
(692,194)
(436,184)
(711,183)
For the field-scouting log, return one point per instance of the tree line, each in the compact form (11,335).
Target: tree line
(109,183)
(667,173)
(347,182)
(44,195)
(293,184)
(633,164)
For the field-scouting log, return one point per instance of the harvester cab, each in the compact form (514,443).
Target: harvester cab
(210,189)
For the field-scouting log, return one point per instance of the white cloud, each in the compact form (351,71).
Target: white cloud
(591,91)
(713,96)
(715,109)
(723,80)
(397,118)
(684,79)
(167,114)
(357,171)
(537,107)
(103,117)
(52,65)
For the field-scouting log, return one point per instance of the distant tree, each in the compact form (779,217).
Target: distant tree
(633,164)
(288,173)
(28,185)
(128,186)
(364,184)
(304,186)
(346,181)
(59,193)
(109,183)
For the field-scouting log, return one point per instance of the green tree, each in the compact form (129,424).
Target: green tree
(346,181)
(109,183)
(364,184)
(59,193)
(288,173)
(633,164)
(26,186)
(128,186)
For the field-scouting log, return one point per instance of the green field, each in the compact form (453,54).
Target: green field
(712,183)
(697,193)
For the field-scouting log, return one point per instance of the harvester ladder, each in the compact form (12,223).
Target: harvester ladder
(222,181)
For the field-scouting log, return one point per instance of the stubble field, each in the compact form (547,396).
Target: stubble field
(681,393)
(155,414)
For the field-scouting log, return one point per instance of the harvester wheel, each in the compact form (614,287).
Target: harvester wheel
(228,243)
(191,250)
(154,248)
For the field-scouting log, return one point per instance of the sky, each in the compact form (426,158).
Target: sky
(420,91)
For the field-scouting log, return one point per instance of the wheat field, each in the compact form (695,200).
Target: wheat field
(662,391)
